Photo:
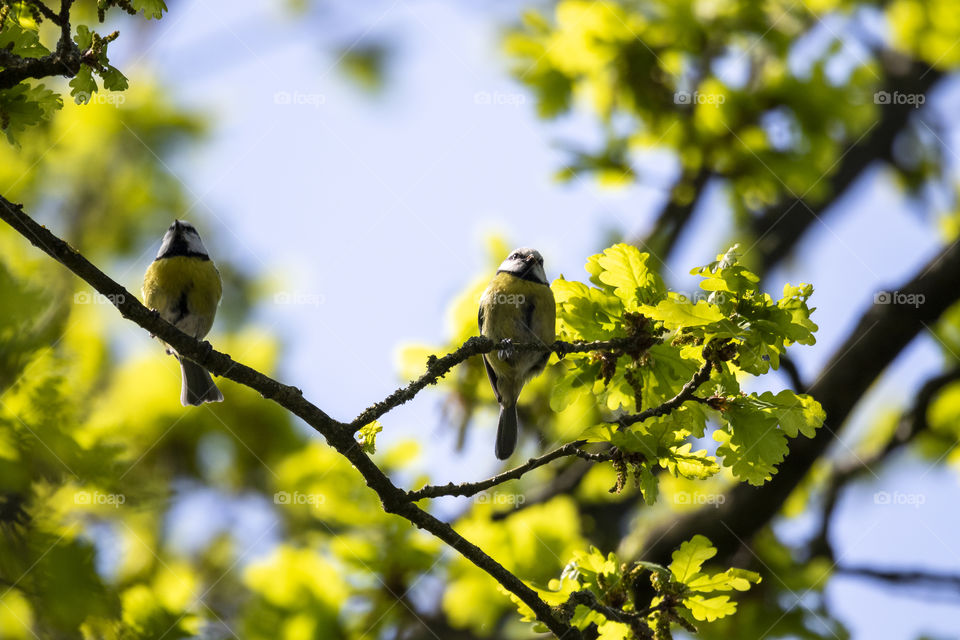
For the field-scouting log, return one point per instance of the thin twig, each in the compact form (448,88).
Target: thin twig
(47,12)
(686,393)
(437,367)
(473,488)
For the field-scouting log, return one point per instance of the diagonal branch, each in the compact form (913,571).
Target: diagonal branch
(338,435)
(437,367)
(686,393)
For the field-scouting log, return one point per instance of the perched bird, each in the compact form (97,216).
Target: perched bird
(183,286)
(517,306)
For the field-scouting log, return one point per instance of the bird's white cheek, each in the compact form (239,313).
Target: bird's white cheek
(195,244)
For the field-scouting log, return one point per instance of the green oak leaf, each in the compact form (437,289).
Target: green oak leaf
(729,580)
(677,314)
(710,609)
(150,8)
(754,446)
(83,85)
(23,106)
(689,558)
(696,465)
(625,269)
(22,38)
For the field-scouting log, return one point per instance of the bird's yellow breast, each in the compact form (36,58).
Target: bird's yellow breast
(168,279)
(506,304)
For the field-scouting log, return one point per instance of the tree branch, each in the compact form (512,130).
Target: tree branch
(437,367)
(686,393)
(904,578)
(636,620)
(65,60)
(338,435)
(572,448)
(564,482)
(473,488)
(47,12)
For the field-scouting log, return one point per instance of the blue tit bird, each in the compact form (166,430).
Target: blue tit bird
(183,286)
(517,306)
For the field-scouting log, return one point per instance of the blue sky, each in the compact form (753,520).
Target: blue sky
(375,208)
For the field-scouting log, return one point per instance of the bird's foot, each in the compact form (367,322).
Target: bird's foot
(507,352)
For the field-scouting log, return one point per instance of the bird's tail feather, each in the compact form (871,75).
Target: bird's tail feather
(198,387)
(506,432)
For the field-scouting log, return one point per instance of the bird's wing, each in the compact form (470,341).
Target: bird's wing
(491,374)
(493,377)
